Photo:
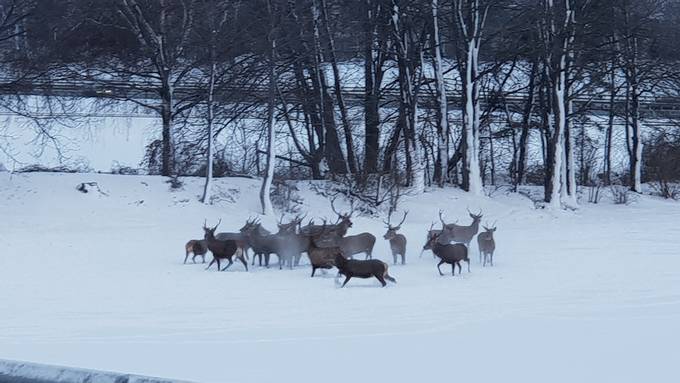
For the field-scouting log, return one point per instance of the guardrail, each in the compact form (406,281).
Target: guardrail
(25,372)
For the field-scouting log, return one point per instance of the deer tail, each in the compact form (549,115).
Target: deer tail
(388,276)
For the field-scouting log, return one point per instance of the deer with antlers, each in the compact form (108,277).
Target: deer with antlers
(340,228)
(451,254)
(223,249)
(290,238)
(263,243)
(486,244)
(397,241)
(459,233)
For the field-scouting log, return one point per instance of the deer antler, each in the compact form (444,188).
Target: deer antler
(218,223)
(402,220)
(389,219)
(441,218)
(351,206)
(205,223)
(333,207)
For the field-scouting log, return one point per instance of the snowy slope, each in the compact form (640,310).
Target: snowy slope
(97,281)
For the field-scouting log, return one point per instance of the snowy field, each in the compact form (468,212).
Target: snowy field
(97,281)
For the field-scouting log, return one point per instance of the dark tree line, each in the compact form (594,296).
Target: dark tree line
(466,92)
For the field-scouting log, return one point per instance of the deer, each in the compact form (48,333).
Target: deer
(292,241)
(459,233)
(321,257)
(261,241)
(340,228)
(236,237)
(223,249)
(452,254)
(196,247)
(362,269)
(397,241)
(486,244)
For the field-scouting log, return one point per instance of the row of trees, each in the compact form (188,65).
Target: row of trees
(451,91)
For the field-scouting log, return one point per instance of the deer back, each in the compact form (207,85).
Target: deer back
(357,243)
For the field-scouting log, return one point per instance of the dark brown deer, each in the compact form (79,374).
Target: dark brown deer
(236,237)
(322,257)
(459,233)
(452,254)
(223,249)
(486,244)
(351,268)
(196,247)
(397,241)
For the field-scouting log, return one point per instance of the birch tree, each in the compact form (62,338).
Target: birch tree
(442,164)
(265,190)
(469,18)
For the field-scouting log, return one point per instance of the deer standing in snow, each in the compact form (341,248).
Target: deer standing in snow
(223,249)
(397,241)
(459,233)
(486,244)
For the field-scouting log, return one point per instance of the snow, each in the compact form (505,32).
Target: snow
(97,282)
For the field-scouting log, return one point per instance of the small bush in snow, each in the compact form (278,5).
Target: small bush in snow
(175,183)
(117,168)
(285,197)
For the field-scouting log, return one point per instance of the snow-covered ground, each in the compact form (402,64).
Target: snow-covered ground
(97,281)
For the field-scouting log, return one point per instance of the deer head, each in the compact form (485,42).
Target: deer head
(210,231)
(343,218)
(251,224)
(490,228)
(392,230)
(431,234)
(475,217)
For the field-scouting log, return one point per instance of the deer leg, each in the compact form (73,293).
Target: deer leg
(218,263)
(193,259)
(453,268)
(491,259)
(228,264)
(381,279)
(243,260)
(313,270)
(347,278)
(439,267)
(203,257)
(403,259)
(468,264)
(210,264)
(394,256)
(186,257)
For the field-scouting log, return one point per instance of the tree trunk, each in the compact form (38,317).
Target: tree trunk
(265,190)
(168,150)
(441,171)
(209,161)
(344,118)
(526,124)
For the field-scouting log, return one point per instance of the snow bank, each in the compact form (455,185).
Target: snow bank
(23,372)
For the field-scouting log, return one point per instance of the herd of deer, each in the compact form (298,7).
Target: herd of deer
(328,245)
